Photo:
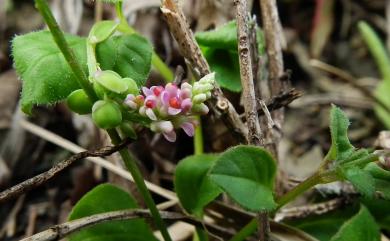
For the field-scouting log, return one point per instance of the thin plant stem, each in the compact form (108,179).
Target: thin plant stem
(84,82)
(139,181)
(198,138)
(59,38)
(299,189)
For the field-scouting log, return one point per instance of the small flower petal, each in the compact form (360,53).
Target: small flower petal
(188,128)
(170,136)
(173,111)
(150,113)
(147,91)
(186,105)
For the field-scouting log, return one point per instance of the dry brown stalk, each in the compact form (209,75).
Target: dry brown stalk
(35,181)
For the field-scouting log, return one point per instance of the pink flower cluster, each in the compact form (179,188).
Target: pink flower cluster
(171,107)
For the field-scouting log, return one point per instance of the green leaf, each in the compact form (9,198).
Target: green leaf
(341,147)
(106,198)
(382,92)
(323,227)
(247,174)
(101,31)
(192,185)
(361,180)
(381,57)
(220,49)
(223,37)
(128,55)
(382,179)
(361,227)
(47,77)
(226,67)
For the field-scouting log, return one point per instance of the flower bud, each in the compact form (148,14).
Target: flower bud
(111,81)
(106,114)
(199,98)
(209,78)
(132,87)
(79,102)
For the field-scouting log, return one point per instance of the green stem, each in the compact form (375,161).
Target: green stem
(59,38)
(162,68)
(299,189)
(139,181)
(157,62)
(84,82)
(201,234)
(247,230)
(198,138)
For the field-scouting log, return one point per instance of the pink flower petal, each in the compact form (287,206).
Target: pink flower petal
(186,105)
(150,113)
(170,136)
(171,89)
(147,91)
(188,128)
(173,111)
(165,98)
(185,93)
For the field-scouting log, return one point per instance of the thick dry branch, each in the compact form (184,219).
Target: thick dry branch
(249,96)
(60,231)
(33,182)
(190,50)
(246,74)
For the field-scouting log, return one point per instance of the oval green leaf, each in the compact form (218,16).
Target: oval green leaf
(192,185)
(106,198)
(361,227)
(128,55)
(247,175)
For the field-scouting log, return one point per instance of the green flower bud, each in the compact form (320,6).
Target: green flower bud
(111,81)
(132,86)
(106,114)
(79,102)
(127,130)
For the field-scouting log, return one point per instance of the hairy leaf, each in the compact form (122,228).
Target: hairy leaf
(361,180)
(382,179)
(361,227)
(128,55)
(341,147)
(192,185)
(47,77)
(247,174)
(106,198)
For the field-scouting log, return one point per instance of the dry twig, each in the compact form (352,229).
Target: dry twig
(33,182)
(274,38)
(248,91)
(60,231)
(190,50)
